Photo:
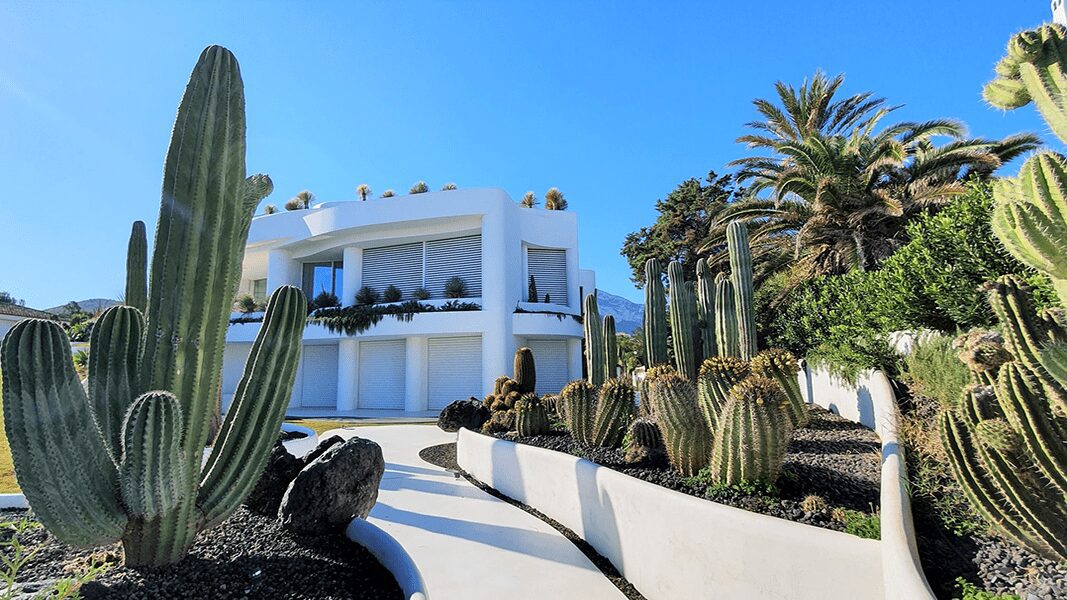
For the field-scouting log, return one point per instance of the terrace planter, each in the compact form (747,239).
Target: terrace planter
(673,545)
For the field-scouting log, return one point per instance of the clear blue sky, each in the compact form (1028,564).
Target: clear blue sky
(613,102)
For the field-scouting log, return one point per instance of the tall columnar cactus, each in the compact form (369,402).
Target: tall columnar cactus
(525,370)
(752,434)
(594,341)
(726,333)
(611,348)
(643,440)
(685,434)
(614,410)
(706,309)
(781,366)
(741,276)
(1005,441)
(1033,71)
(682,328)
(655,323)
(121,458)
(579,409)
(531,416)
(717,376)
(137,268)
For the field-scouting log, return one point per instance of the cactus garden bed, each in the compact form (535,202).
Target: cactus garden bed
(832,458)
(247,556)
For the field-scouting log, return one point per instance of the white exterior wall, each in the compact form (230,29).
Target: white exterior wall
(279,244)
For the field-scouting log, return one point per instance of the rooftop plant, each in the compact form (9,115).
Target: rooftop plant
(419,188)
(363,190)
(554,200)
(528,200)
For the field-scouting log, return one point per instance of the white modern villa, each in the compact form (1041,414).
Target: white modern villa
(418,366)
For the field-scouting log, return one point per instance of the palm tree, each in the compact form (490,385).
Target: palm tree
(554,200)
(363,190)
(301,200)
(419,188)
(529,200)
(838,190)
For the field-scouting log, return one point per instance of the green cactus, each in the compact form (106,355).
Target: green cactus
(137,268)
(531,416)
(726,333)
(752,434)
(121,458)
(678,414)
(741,277)
(706,309)
(1033,71)
(781,366)
(614,410)
(525,370)
(594,341)
(643,441)
(611,348)
(655,322)
(717,376)
(682,328)
(651,374)
(579,409)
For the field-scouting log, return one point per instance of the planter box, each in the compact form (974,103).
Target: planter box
(671,545)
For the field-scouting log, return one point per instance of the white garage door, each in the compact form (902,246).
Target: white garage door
(454,369)
(550,360)
(233,366)
(381,374)
(319,385)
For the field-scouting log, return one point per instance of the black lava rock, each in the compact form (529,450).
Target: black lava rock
(282,468)
(321,449)
(463,413)
(340,484)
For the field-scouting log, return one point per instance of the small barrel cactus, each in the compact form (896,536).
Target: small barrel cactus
(615,407)
(753,433)
(717,376)
(531,417)
(781,366)
(579,402)
(643,441)
(525,371)
(685,434)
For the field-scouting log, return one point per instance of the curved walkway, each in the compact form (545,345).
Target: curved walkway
(468,544)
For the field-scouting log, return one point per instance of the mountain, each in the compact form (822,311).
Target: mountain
(91,306)
(628,315)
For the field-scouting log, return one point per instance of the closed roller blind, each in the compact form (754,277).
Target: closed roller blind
(319,387)
(551,363)
(454,369)
(393,265)
(455,257)
(549,270)
(382,374)
(233,361)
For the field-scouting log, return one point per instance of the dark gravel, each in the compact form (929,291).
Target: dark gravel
(246,557)
(833,457)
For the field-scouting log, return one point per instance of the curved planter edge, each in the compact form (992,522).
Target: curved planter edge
(392,555)
(301,446)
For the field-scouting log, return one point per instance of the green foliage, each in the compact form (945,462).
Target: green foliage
(419,188)
(7,298)
(353,320)
(421,293)
(965,590)
(554,200)
(685,217)
(16,555)
(933,369)
(247,304)
(392,294)
(367,296)
(455,287)
(388,194)
(531,292)
(859,523)
(325,299)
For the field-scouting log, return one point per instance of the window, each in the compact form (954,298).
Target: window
(259,289)
(322,277)
(425,264)
(548,267)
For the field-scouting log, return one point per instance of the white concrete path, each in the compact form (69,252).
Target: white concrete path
(468,544)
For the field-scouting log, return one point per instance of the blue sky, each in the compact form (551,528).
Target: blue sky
(613,102)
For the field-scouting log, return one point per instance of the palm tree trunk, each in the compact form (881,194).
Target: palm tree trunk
(861,253)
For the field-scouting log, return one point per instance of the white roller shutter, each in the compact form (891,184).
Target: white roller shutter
(454,369)
(382,374)
(549,270)
(552,364)
(454,257)
(233,365)
(319,385)
(393,265)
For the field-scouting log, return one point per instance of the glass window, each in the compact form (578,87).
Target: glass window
(259,289)
(322,277)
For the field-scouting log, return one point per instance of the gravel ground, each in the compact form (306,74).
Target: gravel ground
(833,457)
(246,557)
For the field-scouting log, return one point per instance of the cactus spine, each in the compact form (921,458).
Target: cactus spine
(1033,71)
(137,268)
(752,435)
(525,370)
(726,334)
(643,441)
(611,348)
(157,497)
(655,323)
(531,416)
(682,329)
(706,309)
(781,366)
(579,409)
(685,434)
(594,341)
(614,409)
(717,376)
(741,277)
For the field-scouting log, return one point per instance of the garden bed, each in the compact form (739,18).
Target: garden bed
(833,458)
(248,556)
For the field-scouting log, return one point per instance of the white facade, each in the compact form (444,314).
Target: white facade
(1059,12)
(420,241)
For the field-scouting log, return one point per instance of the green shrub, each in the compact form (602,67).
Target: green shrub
(325,299)
(455,287)
(965,590)
(933,370)
(367,296)
(392,294)
(858,523)
(246,304)
(421,293)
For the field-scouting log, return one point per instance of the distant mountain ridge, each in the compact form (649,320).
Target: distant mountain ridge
(91,305)
(628,315)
